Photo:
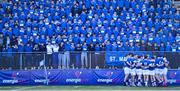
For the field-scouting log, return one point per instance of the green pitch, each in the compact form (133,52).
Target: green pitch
(83,88)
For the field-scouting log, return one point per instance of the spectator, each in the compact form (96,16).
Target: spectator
(73,55)
(1,42)
(21,47)
(48,60)
(168,47)
(131,46)
(9,59)
(143,46)
(27,62)
(108,46)
(103,47)
(91,47)
(36,56)
(3,60)
(84,56)
(162,47)
(55,48)
(155,47)
(16,57)
(137,47)
(66,60)
(178,46)
(61,55)
(96,48)
(174,47)
(149,47)
(121,47)
(78,49)
(42,47)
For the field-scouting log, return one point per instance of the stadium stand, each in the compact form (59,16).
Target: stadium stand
(106,25)
(88,42)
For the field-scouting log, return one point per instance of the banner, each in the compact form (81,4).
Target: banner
(173,77)
(15,77)
(112,77)
(78,77)
(115,58)
(72,77)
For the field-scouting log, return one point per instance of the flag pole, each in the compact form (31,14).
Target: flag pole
(45,70)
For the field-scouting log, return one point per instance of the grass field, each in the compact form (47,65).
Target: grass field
(84,88)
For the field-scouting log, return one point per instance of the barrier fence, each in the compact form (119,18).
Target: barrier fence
(72,77)
(76,60)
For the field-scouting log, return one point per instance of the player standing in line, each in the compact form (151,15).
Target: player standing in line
(145,64)
(139,70)
(165,70)
(152,71)
(127,69)
(162,70)
(133,73)
(158,70)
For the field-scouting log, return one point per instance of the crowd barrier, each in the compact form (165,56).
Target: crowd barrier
(77,59)
(72,77)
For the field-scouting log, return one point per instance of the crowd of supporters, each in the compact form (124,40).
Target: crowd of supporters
(89,25)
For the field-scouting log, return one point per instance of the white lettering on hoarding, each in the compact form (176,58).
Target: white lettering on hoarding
(10,81)
(73,80)
(41,80)
(105,80)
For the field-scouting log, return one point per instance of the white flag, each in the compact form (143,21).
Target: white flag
(41,63)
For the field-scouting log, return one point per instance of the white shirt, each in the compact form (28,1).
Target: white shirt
(55,48)
(49,49)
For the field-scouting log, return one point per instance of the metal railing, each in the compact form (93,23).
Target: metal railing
(73,60)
